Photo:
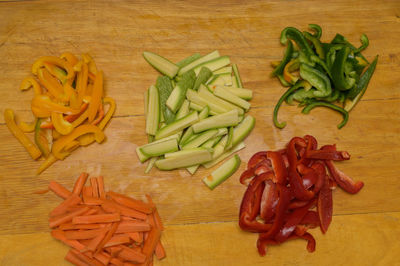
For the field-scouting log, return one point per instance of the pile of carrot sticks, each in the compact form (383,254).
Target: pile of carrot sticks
(105,228)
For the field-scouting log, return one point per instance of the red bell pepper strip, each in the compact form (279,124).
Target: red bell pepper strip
(311,219)
(249,173)
(324,206)
(319,168)
(269,201)
(344,181)
(262,167)
(310,241)
(278,165)
(329,153)
(284,198)
(294,219)
(309,175)
(294,204)
(263,243)
(256,158)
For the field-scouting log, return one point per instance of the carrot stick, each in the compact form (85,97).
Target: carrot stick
(70,226)
(117,262)
(103,257)
(80,182)
(71,257)
(127,227)
(131,255)
(157,217)
(136,236)
(114,251)
(96,241)
(150,244)
(87,191)
(131,203)
(159,251)
(92,201)
(83,234)
(117,240)
(62,208)
(59,189)
(99,218)
(95,189)
(108,236)
(109,206)
(86,259)
(100,183)
(68,217)
(59,235)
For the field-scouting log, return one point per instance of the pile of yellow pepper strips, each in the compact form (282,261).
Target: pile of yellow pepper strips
(67,105)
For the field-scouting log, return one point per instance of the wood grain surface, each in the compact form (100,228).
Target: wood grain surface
(201,226)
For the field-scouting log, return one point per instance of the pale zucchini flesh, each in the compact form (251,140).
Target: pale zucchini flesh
(214,64)
(161,64)
(224,155)
(186,61)
(245,94)
(232,98)
(178,94)
(157,149)
(243,129)
(150,164)
(184,110)
(223,172)
(223,70)
(190,159)
(153,111)
(192,65)
(184,153)
(238,80)
(204,93)
(200,139)
(217,121)
(177,125)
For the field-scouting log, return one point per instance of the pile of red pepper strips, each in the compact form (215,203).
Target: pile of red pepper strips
(286,185)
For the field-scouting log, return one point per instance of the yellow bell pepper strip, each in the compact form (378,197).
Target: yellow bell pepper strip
(53,60)
(81,83)
(73,145)
(34,152)
(100,115)
(27,127)
(30,82)
(51,84)
(71,95)
(89,138)
(56,71)
(91,64)
(43,106)
(70,58)
(55,134)
(49,161)
(43,138)
(97,94)
(60,124)
(59,145)
(274,64)
(68,118)
(293,65)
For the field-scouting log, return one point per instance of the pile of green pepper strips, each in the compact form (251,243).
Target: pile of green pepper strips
(331,74)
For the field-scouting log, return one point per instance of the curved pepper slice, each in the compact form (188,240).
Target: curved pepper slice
(97,94)
(340,79)
(317,79)
(51,84)
(317,29)
(296,35)
(314,104)
(328,154)
(29,82)
(317,44)
(59,145)
(286,58)
(60,124)
(43,106)
(34,152)
(278,166)
(42,138)
(269,201)
(293,65)
(325,206)
(81,83)
(53,60)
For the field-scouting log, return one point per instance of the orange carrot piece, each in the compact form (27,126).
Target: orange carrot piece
(62,208)
(70,226)
(92,201)
(59,189)
(103,257)
(68,217)
(83,234)
(136,236)
(117,240)
(87,191)
(98,218)
(108,236)
(114,250)
(131,255)
(95,189)
(127,227)
(100,183)
(44,191)
(96,241)
(117,262)
(90,261)
(156,215)
(109,206)
(160,251)
(59,235)
(71,257)
(150,244)
(137,205)
(80,182)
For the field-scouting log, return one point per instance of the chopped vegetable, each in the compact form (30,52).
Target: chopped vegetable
(67,105)
(285,186)
(330,73)
(103,232)
(196,105)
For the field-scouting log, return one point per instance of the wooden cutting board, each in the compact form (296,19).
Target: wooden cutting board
(201,225)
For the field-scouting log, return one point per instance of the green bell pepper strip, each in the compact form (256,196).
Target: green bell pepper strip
(331,98)
(317,79)
(340,80)
(364,80)
(295,35)
(317,29)
(303,94)
(317,44)
(283,81)
(340,39)
(322,63)
(299,84)
(364,44)
(331,54)
(312,105)
(342,97)
(286,58)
